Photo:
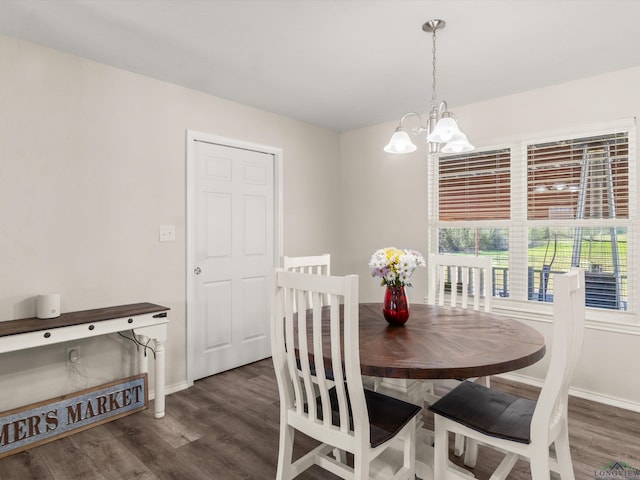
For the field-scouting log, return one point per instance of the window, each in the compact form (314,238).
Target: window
(539,207)
(493,242)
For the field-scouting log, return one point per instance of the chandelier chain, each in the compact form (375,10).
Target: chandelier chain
(433,88)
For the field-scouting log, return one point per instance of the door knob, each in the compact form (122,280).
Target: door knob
(197,271)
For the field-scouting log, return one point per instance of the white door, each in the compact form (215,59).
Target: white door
(232,250)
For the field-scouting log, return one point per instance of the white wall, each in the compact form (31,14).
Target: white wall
(384,202)
(92,161)
(383,199)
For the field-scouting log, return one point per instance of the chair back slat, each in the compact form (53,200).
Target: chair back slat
(291,357)
(568,333)
(336,364)
(453,280)
(474,274)
(323,384)
(303,356)
(440,278)
(477,280)
(359,414)
(464,274)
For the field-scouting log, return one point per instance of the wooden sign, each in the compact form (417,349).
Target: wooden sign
(42,422)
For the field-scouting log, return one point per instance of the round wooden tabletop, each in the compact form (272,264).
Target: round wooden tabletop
(445,342)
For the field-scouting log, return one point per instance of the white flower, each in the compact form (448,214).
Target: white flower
(395,266)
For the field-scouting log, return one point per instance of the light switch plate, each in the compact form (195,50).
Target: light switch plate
(167,233)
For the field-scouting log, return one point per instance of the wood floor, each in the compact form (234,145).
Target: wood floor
(226,427)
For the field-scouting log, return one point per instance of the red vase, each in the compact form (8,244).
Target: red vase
(395,308)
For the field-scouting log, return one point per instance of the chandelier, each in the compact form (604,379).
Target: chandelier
(444,135)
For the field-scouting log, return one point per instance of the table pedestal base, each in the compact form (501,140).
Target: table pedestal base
(413,391)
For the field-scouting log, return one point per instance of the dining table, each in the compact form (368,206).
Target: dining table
(440,342)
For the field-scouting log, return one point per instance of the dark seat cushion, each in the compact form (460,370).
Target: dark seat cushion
(488,411)
(387,415)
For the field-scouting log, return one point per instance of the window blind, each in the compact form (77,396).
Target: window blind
(475,186)
(583,178)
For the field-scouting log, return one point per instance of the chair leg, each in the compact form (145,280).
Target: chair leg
(458,449)
(539,464)
(360,468)
(471,453)
(441,449)
(563,456)
(285,452)
(409,460)
(376,383)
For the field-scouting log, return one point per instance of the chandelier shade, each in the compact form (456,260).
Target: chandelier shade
(400,142)
(458,144)
(444,131)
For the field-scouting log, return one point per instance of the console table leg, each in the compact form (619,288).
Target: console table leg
(159,379)
(159,336)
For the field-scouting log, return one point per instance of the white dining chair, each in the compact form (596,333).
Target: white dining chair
(458,281)
(520,427)
(340,414)
(316,264)
(467,278)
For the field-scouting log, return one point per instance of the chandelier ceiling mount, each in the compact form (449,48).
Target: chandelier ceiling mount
(433,25)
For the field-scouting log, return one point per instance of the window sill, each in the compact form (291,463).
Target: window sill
(597,319)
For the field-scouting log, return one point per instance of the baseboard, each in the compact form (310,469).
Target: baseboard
(170,389)
(577,392)
(515,377)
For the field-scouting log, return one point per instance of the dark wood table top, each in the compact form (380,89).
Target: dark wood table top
(25,325)
(445,342)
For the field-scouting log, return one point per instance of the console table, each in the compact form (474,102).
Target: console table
(145,319)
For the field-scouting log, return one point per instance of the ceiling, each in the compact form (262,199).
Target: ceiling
(340,64)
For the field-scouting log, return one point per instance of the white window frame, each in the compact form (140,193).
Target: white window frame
(517,303)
